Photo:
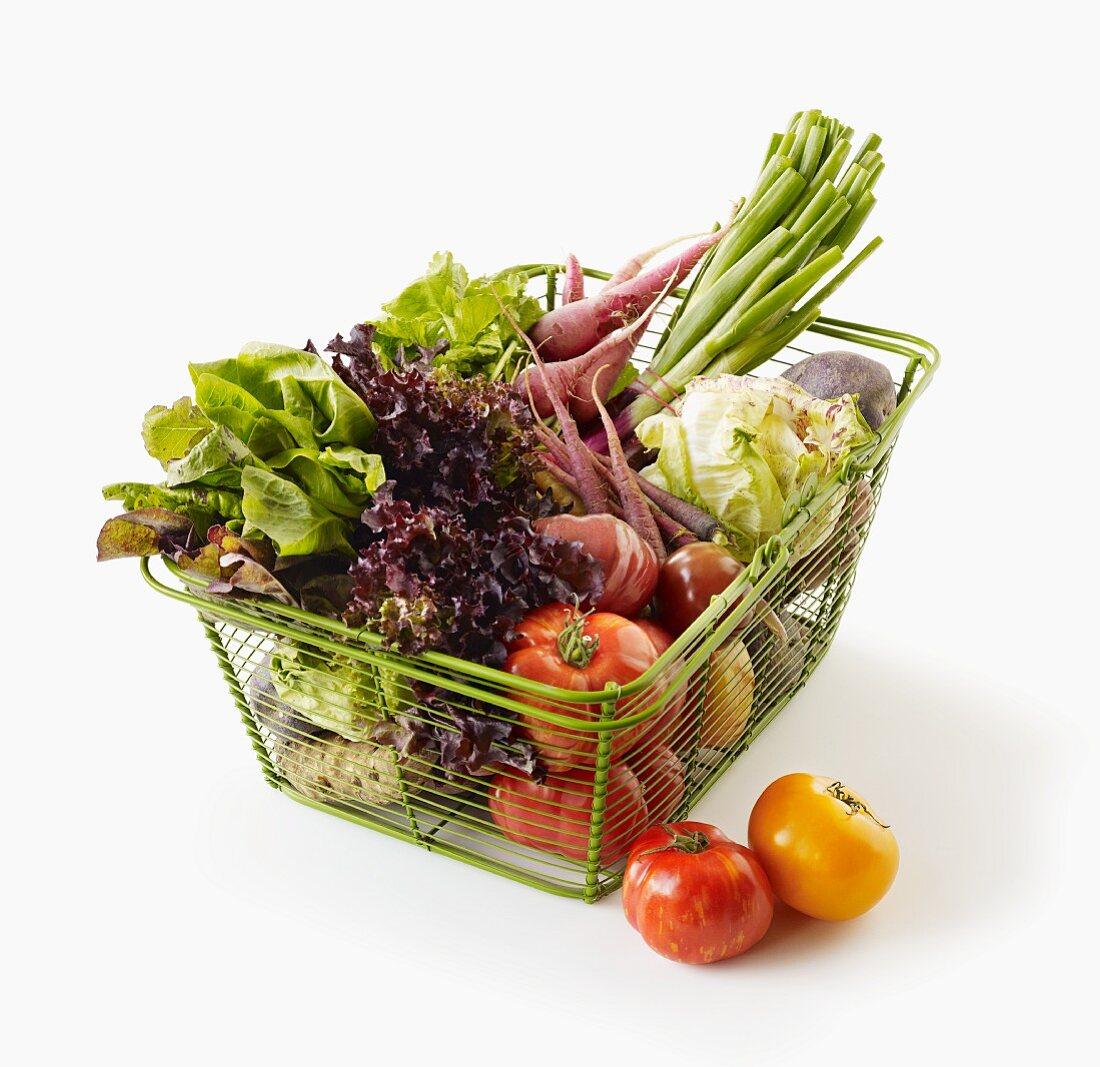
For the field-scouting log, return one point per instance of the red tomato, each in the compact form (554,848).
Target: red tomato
(556,816)
(688,579)
(629,564)
(661,773)
(661,638)
(668,727)
(558,646)
(694,895)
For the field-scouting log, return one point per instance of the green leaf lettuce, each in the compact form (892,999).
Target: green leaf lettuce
(446,305)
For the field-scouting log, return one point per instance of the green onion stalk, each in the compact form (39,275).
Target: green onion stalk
(750,297)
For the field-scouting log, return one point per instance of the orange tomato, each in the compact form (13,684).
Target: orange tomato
(826,852)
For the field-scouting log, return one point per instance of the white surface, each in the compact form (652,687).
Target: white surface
(183,179)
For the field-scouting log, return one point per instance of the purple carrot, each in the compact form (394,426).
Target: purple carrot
(672,533)
(633,266)
(590,488)
(569,483)
(701,523)
(557,461)
(572,288)
(553,445)
(685,538)
(635,505)
(572,329)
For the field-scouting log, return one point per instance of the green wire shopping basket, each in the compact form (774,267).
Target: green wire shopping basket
(626,757)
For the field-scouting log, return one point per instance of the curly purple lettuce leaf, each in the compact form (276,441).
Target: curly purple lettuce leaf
(447,442)
(463,743)
(428,580)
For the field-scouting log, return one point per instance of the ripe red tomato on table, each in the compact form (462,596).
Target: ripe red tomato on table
(559,646)
(694,895)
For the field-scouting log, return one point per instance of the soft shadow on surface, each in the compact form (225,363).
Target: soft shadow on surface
(794,934)
(953,766)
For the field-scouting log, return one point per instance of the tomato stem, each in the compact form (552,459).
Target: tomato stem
(692,843)
(575,646)
(853,803)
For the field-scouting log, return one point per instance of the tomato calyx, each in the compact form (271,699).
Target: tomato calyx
(692,843)
(575,646)
(840,792)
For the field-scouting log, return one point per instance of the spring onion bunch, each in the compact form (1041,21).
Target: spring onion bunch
(793,230)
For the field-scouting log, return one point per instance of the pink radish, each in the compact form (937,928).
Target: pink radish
(590,488)
(573,329)
(633,266)
(571,379)
(573,287)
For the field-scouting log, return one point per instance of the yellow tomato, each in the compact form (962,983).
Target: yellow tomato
(727,698)
(826,852)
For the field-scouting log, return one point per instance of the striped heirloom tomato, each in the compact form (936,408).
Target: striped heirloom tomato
(694,895)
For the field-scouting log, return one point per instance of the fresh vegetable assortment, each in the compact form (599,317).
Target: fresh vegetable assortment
(471,475)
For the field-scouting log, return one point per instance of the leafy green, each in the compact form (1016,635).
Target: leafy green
(214,460)
(201,505)
(145,532)
(333,692)
(274,441)
(448,556)
(741,447)
(294,521)
(169,433)
(446,305)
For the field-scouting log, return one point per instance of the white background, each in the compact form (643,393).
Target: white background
(183,178)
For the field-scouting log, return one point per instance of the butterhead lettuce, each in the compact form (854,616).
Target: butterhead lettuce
(274,443)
